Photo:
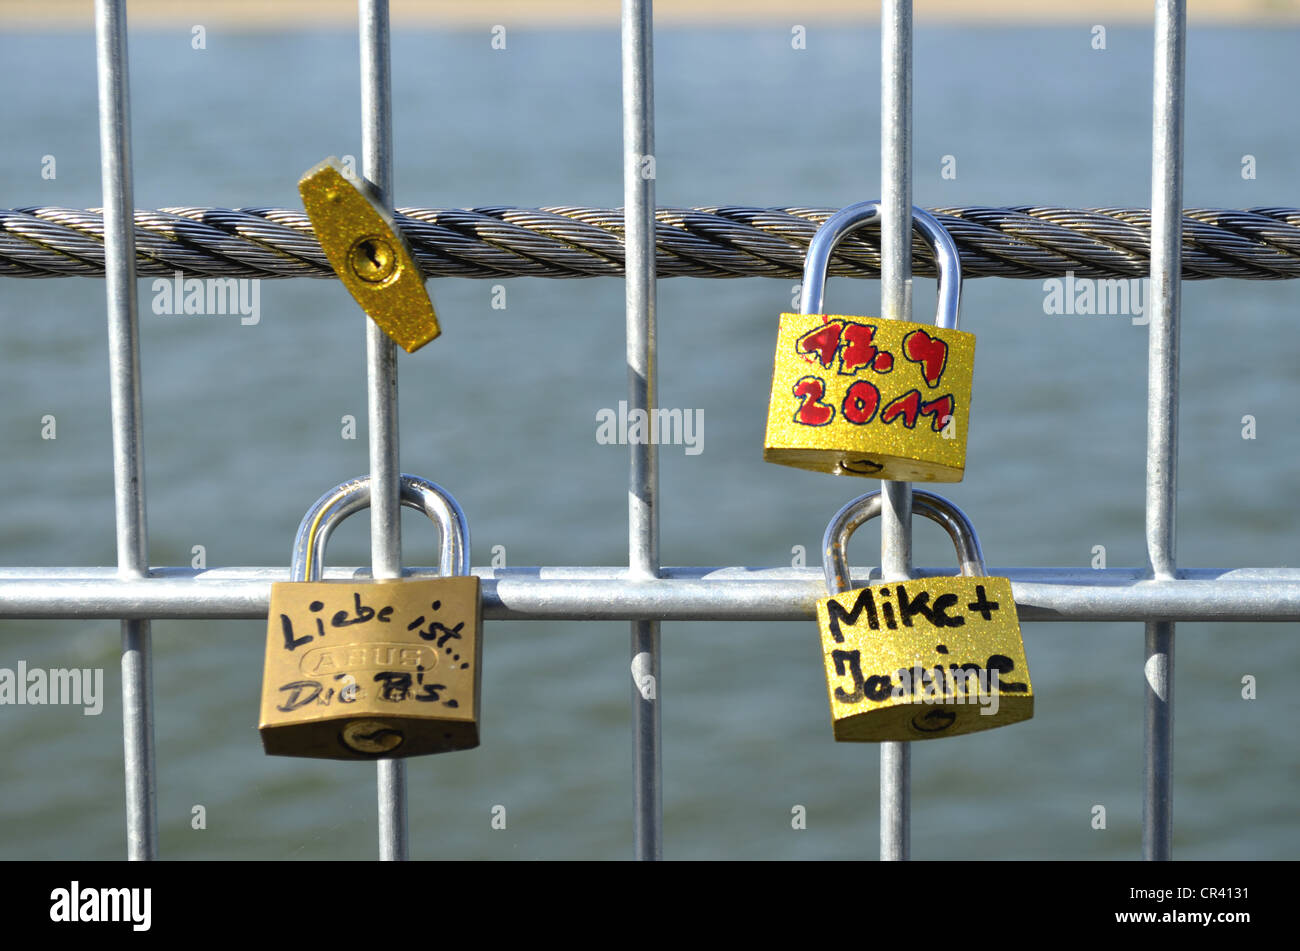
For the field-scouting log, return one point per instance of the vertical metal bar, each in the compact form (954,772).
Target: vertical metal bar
(896,304)
(1162,414)
(643,483)
(125,402)
(381,387)
(1158,745)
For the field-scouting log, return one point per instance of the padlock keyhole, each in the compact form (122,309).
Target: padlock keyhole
(373,260)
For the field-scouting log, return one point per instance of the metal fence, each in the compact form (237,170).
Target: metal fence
(645,593)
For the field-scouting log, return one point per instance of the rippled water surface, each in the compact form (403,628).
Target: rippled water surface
(243,431)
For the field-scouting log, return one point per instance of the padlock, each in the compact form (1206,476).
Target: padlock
(886,399)
(920,659)
(369,253)
(369,669)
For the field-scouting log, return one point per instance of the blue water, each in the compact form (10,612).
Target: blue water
(243,423)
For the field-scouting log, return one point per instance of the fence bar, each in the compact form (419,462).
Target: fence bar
(1162,415)
(125,402)
(381,387)
(896,304)
(643,493)
(680,594)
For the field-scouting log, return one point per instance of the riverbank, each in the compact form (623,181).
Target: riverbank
(306,14)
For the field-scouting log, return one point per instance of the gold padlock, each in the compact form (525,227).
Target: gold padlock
(886,399)
(369,669)
(369,254)
(920,659)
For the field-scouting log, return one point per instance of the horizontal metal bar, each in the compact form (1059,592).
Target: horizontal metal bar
(682,594)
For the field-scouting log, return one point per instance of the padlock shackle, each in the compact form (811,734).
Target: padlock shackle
(352,496)
(813,296)
(835,543)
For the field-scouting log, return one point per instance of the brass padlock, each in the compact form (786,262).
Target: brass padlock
(368,669)
(887,399)
(920,659)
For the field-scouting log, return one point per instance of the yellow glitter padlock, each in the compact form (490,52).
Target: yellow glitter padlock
(368,252)
(920,659)
(863,396)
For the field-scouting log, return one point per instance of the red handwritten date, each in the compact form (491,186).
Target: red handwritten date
(851,348)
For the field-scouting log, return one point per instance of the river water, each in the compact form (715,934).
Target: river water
(244,428)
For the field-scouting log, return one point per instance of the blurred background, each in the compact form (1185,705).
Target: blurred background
(243,428)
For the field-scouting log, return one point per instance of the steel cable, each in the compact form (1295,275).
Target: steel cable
(1028,242)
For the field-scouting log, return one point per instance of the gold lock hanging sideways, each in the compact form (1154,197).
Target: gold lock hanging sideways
(367,251)
(864,396)
(369,669)
(920,659)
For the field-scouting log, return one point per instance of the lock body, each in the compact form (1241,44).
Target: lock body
(924,659)
(369,254)
(884,399)
(361,670)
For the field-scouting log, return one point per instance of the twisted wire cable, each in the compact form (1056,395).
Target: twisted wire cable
(1025,241)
